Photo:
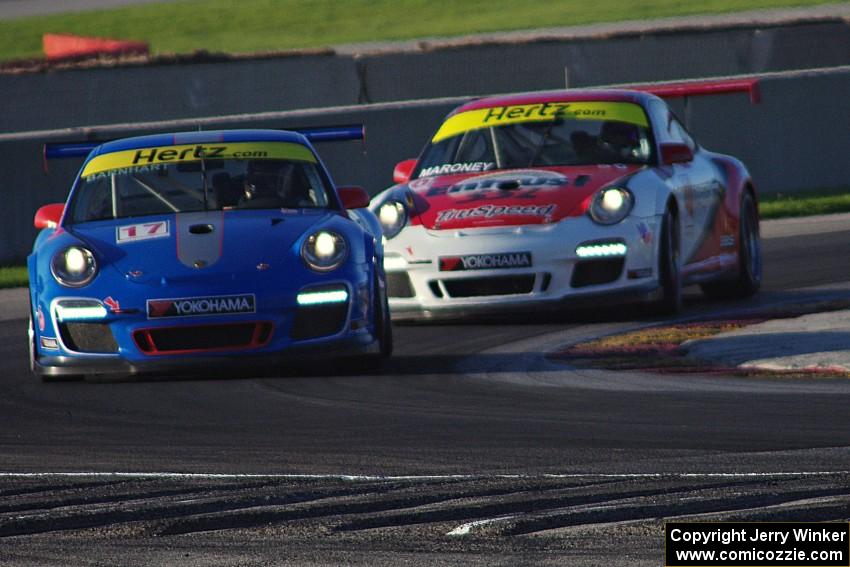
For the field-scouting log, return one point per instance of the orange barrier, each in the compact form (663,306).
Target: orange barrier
(68,46)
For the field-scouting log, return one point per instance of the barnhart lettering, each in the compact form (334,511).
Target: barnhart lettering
(126,171)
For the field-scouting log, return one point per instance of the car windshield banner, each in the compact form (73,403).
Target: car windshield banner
(540,112)
(145,158)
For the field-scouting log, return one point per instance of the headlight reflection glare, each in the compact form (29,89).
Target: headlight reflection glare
(393,217)
(324,251)
(612,200)
(74,266)
(611,205)
(325,245)
(75,261)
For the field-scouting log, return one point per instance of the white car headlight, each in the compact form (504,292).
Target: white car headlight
(74,266)
(393,217)
(611,205)
(324,251)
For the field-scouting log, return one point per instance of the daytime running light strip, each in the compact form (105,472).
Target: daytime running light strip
(601,250)
(321,297)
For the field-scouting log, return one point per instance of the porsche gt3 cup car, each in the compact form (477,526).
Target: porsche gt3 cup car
(551,198)
(192,249)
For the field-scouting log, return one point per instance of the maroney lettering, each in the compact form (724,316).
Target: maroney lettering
(452,168)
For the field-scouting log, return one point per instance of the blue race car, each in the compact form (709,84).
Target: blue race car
(192,250)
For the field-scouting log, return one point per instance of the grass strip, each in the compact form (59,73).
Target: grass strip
(274,25)
(13,276)
(803,204)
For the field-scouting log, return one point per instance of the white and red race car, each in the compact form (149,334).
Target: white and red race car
(551,198)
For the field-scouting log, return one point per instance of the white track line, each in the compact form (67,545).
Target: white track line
(356,477)
(464,529)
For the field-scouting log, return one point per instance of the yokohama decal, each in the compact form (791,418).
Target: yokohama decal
(144,231)
(485,261)
(194,306)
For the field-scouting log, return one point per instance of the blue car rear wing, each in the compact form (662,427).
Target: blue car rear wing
(333,133)
(62,150)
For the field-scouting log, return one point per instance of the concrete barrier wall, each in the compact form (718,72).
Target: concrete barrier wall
(794,140)
(538,65)
(60,99)
(135,94)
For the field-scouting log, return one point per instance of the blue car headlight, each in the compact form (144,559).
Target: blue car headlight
(74,266)
(324,251)
(611,205)
(393,217)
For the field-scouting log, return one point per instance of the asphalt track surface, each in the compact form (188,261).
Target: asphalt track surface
(470,430)
(471,448)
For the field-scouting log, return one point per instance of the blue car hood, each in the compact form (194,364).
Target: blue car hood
(209,246)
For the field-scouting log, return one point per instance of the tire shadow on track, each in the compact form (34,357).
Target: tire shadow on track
(441,347)
(586,314)
(397,367)
(445,347)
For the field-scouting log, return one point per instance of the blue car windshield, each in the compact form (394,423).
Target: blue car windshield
(197,185)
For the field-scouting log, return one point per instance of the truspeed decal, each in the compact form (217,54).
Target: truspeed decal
(148,157)
(494,211)
(540,112)
(193,306)
(142,231)
(450,168)
(485,261)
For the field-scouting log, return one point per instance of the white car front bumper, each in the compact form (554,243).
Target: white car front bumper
(419,288)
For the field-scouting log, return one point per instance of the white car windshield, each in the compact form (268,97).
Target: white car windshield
(558,140)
